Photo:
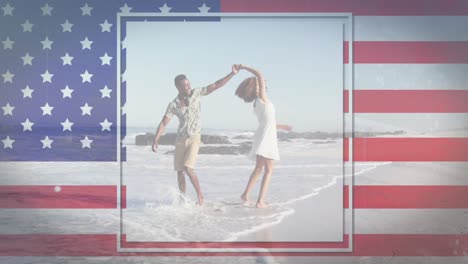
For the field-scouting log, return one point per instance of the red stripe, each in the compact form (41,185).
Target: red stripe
(395,197)
(409,197)
(408,101)
(357,7)
(410,149)
(106,245)
(69,196)
(408,51)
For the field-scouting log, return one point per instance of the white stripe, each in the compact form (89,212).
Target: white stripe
(235,260)
(410,28)
(409,173)
(106,221)
(413,124)
(60,173)
(410,76)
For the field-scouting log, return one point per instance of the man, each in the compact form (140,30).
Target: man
(186,106)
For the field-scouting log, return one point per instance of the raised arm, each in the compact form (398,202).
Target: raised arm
(261,81)
(160,131)
(221,82)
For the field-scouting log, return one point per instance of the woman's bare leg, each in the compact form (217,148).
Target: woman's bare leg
(265,182)
(253,178)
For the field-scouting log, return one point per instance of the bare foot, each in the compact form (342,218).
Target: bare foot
(200,200)
(245,198)
(261,205)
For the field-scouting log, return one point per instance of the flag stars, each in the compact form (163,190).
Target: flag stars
(8,44)
(8,109)
(204,9)
(86,110)
(86,10)
(47,142)
(47,77)
(27,26)
(125,9)
(105,92)
(27,125)
(8,10)
(105,125)
(47,44)
(8,142)
(86,76)
(47,10)
(8,77)
(67,125)
(105,59)
(67,59)
(86,44)
(106,26)
(27,92)
(47,109)
(86,142)
(67,26)
(27,59)
(67,92)
(165,8)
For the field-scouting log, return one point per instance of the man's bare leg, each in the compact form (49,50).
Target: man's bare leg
(194,179)
(253,178)
(182,185)
(265,183)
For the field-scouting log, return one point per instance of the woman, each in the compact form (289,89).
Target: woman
(265,143)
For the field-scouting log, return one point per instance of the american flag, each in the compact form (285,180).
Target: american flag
(58,97)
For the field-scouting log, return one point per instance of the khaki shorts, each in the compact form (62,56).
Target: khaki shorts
(186,152)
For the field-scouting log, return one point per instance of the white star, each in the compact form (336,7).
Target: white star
(47,142)
(27,27)
(67,26)
(67,92)
(105,92)
(86,109)
(124,43)
(47,77)
(106,26)
(27,60)
(8,76)
(47,10)
(46,43)
(105,125)
(105,59)
(8,10)
(124,76)
(47,109)
(67,59)
(27,125)
(165,8)
(86,76)
(86,43)
(86,10)
(8,109)
(86,142)
(125,9)
(124,109)
(204,8)
(8,142)
(8,43)
(67,125)
(27,92)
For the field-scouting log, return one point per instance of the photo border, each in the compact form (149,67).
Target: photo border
(256,247)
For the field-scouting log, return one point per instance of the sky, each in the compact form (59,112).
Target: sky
(300,58)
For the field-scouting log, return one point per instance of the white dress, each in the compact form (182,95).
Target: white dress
(265,142)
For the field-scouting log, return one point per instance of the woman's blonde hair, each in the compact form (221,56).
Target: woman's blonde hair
(248,89)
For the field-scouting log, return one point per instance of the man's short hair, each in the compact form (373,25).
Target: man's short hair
(179,78)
